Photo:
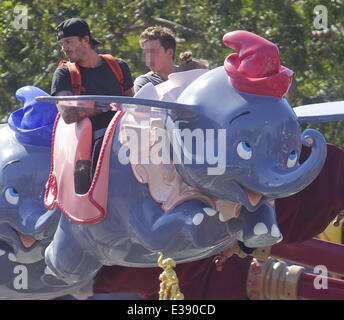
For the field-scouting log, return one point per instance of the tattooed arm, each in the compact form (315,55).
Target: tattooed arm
(75,111)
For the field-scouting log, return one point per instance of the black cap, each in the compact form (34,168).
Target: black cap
(75,27)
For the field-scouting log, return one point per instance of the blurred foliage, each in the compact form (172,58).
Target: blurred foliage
(30,56)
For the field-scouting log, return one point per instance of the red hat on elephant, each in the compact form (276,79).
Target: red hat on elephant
(255,66)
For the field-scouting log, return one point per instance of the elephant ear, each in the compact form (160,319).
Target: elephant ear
(320,112)
(177,110)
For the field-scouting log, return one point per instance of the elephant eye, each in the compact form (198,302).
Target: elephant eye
(12,196)
(244,150)
(292,159)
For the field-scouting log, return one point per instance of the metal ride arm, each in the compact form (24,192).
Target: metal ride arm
(275,280)
(292,282)
(269,278)
(311,253)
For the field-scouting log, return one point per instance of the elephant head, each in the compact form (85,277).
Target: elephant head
(26,226)
(254,135)
(255,141)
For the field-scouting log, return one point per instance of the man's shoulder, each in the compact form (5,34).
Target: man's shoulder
(150,76)
(61,80)
(61,70)
(120,61)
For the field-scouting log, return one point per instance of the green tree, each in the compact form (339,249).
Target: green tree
(30,56)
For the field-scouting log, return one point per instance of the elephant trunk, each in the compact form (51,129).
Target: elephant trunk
(283,184)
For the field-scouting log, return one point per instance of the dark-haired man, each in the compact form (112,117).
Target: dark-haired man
(90,73)
(97,77)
